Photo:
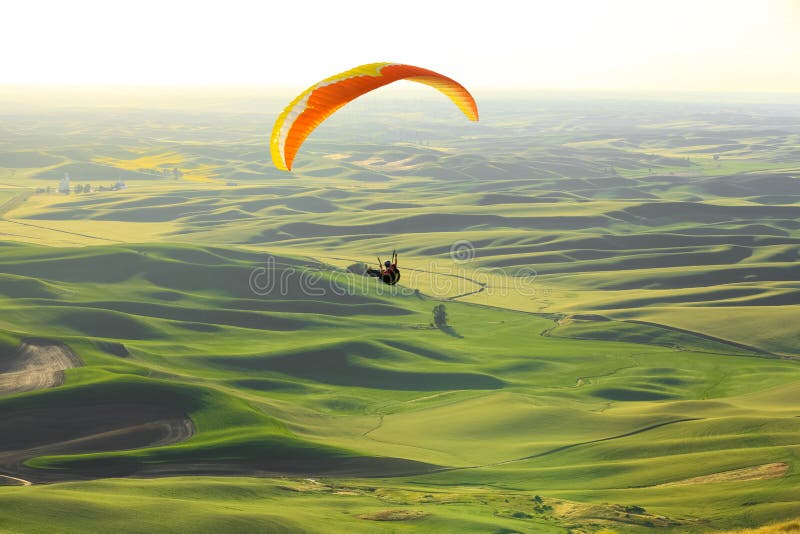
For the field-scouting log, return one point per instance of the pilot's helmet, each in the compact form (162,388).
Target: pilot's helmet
(387,263)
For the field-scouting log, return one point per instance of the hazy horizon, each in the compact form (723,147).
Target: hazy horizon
(118,95)
(604,45)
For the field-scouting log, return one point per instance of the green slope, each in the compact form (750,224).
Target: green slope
(512,402)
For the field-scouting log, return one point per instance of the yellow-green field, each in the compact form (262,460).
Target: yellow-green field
(620,350)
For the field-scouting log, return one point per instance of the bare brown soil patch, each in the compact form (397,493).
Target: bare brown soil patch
(393,515)
(757,472)
(35,364)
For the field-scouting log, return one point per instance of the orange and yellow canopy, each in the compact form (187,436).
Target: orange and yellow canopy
(322,99)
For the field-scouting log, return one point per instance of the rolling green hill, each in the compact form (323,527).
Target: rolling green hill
(187,371)
(620,349)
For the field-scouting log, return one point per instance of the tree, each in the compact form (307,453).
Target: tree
(87,188)
(440,316)
(79,188)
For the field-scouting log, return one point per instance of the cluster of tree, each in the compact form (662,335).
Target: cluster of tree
(440,316)
(539,506)
(174,173)
(113,187)
(77,189)
(87,188)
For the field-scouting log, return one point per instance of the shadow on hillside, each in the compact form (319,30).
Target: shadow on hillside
(450,331)
(356,364)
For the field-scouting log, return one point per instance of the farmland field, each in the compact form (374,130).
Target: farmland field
(621,279)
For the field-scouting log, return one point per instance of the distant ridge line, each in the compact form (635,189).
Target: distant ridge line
(708,337)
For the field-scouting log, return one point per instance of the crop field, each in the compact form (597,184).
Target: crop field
(200,351)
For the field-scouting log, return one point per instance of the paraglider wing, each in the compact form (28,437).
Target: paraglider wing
(322,99)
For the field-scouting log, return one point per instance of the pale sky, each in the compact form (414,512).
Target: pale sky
(675,45)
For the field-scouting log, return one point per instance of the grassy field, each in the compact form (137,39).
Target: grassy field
(620,351)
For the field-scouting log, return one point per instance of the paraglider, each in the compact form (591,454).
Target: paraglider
(311,107)
(386,271)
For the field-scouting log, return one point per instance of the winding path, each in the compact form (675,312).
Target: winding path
(481,286)
(19,481)
(599,440)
